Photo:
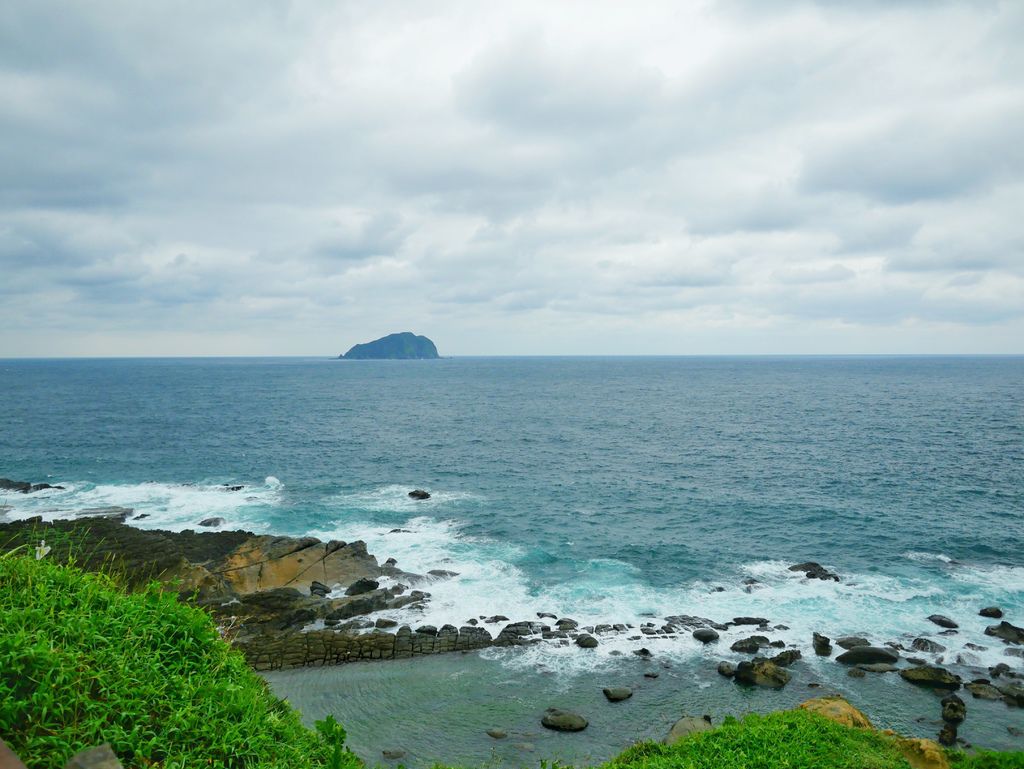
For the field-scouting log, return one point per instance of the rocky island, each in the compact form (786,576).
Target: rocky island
(402,346)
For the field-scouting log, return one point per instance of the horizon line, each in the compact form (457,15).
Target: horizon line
(521,355)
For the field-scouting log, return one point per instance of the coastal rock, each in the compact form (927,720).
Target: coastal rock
(726,669)
(1009,633)
(814,570)
(404,345)
(419,494)
(866,655)
(954,710)
(643,652)
(24,487)
(318,589)
(567,624)
(942,621)
(442,573)
(563,720)
(586,641)
(878,667)
(839,710)
(496,618)
(686,726)
(786,658)
(947,734)
(992,612)
(983,690)
(617,693)
(111,513)
(705,635)
(362,585)
(749,621)
(393,754)
(822,645)
(497,734)
(211,522)
(761,672)
(750,645)
(930,676)
(926,645)
(1013,694)
(851,641)
(855,673)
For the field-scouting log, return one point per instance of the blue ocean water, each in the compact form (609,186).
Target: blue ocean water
(606,489)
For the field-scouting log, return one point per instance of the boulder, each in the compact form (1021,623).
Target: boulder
(839,710)
(419,494)
(761,672)
(786,658)
(947,734)
(24,487)
(942,621)
(546,615)
(814,570)
(983,690)
(643,652)
(318,589)
(953,709)
(211,522)
(850,641)
(362,585)
(586,641)
(649,673)
(930,676)
(926,645)
(497,734)
(750,645)
(563,720)
(822,645)
(878,667)
(992,612)
(496,618)
(855,673)
(866,655)
(705,635)
(115,513)
(442,573)
(1009,633)
(567,624)
(393,754)
(1013,694)
(749,621)
(617,693)
(726,669)
(686,726)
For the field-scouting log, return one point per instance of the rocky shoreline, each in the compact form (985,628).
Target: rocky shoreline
(288,602)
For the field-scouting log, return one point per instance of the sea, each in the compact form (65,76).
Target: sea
(604,489)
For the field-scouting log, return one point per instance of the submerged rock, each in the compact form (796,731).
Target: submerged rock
(878,667)
(992,612)
(926,645)
(750,645)
(726,669)
(851,641)
(563,720)
(786,658)
(498,734)
(942,621)
(814,570)
(393,754)
(419,494)
(686,726)
(866,655)
(586,641)
(983,690)
(749,621)
(211,522)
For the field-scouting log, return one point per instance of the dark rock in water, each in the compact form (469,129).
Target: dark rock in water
(404,345)
(982,690)
(442,573)
(546,615)
(318,588)
(976,647)
(400,531)
(563,720)
(705,635)
(942,621)
(391,562)
(211,522)
(140,516)
(567,624)
(954,710)
(926,645)
(931,676)
(786,658)
(950,631)
(496,618)
(419,494)
(777,644)
(393,754)
(229,487)
(866,655)
(111,513)
(428,630)
(385,623)
(24,487)
(992,612)
(761,672)
(726,669)
(750,645)
(1013,694)
(855,673)
(586,641)
(643,652)
(850,641)
(651,674)
(1006,631)
(947,735)
(878,667)
(822,645)
(686,726)
(498,734)
(814,570)
(1015,731)
(363,585)
(997,670)
(749,621)
(1014,652)
(617,693)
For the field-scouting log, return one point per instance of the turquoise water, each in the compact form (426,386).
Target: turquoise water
(605,489)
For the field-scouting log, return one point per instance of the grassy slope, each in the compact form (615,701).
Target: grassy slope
(82,662)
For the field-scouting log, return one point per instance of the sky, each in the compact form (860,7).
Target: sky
(731,177)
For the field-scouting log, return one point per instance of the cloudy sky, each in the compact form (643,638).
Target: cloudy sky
(511,178)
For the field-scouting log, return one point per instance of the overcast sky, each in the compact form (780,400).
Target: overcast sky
(511,178)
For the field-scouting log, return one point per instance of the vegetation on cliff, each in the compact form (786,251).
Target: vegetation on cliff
(83,662)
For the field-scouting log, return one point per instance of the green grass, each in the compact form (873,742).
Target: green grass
(83,662)
(987,760)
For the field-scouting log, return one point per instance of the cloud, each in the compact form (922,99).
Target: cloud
(260,178)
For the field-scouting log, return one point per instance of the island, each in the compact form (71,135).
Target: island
(403,346)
